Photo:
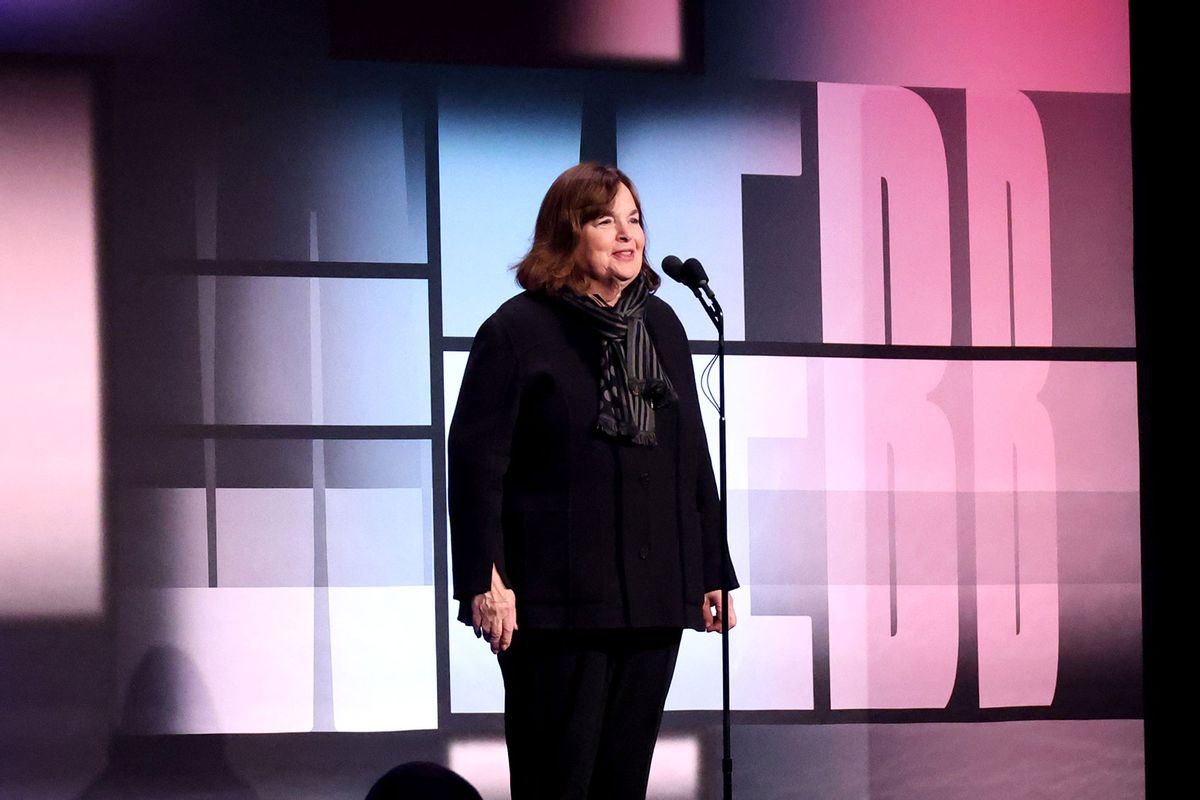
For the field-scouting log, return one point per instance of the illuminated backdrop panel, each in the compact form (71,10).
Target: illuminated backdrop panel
(51,467)
(904,520)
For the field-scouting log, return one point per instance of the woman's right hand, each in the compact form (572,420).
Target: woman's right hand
(494,614)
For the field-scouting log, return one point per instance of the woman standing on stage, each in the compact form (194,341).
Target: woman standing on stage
(583,507)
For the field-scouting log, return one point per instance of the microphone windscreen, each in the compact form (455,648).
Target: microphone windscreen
(673,267)
(693,274)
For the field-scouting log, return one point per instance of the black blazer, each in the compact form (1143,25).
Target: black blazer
(588,532)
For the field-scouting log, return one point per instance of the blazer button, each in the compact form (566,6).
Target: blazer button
(644,478)
(644,553)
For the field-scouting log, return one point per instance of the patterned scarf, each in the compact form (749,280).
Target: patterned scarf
(632,381)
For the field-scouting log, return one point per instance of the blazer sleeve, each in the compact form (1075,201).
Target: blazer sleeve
(718,566)
(479,447)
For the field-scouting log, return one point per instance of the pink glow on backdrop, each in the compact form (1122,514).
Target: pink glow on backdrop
(871,405)
(891,536)
(237,660)
(1016,536)
(1005,147)
(867,133)
(1095,412)
(1045,45)
(50,463)
(1073,419)
(639,30)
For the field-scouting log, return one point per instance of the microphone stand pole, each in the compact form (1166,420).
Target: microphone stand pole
(713,309)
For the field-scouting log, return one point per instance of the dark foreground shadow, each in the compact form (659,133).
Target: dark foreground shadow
(422,780)
(144,762)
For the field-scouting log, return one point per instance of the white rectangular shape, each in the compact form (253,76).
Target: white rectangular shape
(384,654)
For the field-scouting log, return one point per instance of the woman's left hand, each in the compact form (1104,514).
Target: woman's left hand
(712,611)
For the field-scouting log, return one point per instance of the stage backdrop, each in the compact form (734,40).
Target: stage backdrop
(920,228)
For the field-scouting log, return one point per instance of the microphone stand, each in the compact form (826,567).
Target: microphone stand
(713,309)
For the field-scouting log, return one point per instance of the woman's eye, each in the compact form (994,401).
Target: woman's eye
(636,221)
(604,221)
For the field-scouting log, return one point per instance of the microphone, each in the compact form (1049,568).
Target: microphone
(692,275)
(695,276)
(689,272)
(673,267)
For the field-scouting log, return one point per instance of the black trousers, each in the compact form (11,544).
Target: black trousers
(582,710)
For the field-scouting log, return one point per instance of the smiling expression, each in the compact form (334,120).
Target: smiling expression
(611,247)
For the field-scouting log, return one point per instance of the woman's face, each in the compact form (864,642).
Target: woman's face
(612,246)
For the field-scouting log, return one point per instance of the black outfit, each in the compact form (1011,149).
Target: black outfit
(582,710)
(589,531)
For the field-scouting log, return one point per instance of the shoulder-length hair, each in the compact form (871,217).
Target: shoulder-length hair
(581,194)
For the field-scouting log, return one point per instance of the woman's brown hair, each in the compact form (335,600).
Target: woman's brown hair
(578,196)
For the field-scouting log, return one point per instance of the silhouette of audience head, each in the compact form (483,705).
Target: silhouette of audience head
(422,780)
